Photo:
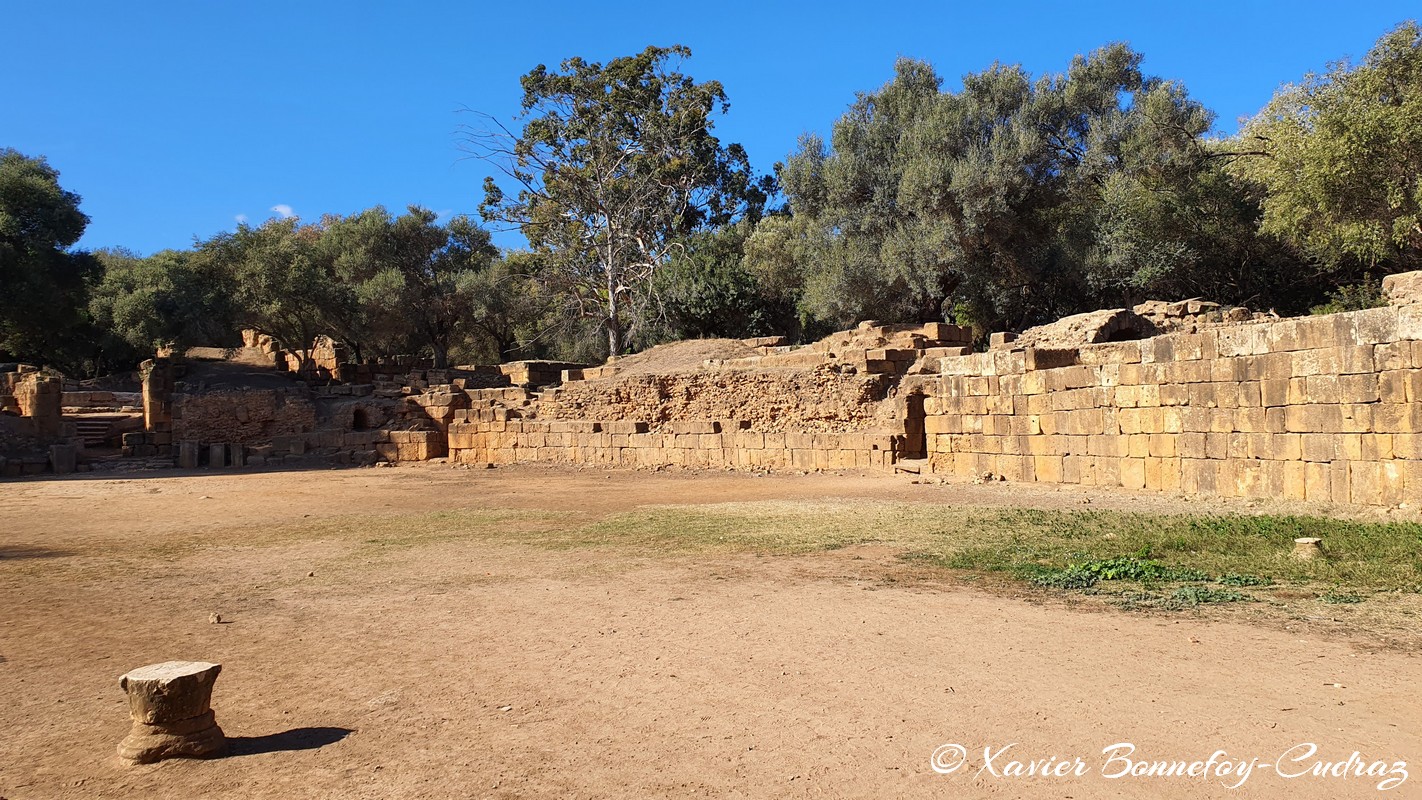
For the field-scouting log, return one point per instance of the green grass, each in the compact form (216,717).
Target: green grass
(1102,551)
(1234,550)
(1063,549)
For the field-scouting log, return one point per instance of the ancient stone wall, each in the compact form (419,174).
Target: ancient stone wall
(242,416)
(710,443)
(821,400)
(1325,408)
(787,419)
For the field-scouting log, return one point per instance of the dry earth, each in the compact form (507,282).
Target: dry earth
(474,666)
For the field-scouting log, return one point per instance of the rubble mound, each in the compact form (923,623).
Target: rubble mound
(1195,314)
(690,355)
(1093,327)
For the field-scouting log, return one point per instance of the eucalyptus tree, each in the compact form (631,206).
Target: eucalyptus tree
(614,164)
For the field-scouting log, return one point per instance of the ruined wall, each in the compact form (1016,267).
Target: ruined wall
(40,397)
(822,400)
(242,416)
(711,443)
(820,419)
(1324,408)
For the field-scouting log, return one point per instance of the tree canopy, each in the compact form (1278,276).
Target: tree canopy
(42,283)
(615,164)
(1339,159)
(1009,202)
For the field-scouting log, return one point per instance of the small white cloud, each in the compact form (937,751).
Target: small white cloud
(283,210)
(444,215)
(241,219)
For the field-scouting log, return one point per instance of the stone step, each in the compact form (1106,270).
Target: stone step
(912,466)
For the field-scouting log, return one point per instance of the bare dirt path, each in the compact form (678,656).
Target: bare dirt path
(465,667)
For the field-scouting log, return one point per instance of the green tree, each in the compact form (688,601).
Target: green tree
(1012,201)
(441,267)
(174,298)
(43,292)
(367,309)
(615,164)
(508,307)
(1339,156)
(279,283)
(709,292)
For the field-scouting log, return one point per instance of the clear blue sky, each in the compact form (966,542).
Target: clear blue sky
(172,119)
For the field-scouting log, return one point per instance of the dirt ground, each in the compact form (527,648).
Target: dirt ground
(452,667)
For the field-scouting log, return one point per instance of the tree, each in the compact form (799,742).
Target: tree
(614,165)
(709,292)
(440,266)
(367,310)
(42,282)
(508,306)
(1010,202)
(174,298)
(1339,156)
(279,283)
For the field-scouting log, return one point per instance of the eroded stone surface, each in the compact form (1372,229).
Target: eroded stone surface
(170,705)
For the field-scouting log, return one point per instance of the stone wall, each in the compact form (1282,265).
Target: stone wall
(711,443)
(820,400)
(827,417)
(1325,408)
(244,416)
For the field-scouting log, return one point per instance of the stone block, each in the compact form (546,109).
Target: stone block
(189,455)
(1404,288)
(63,458)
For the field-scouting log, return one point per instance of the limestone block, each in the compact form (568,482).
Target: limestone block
(1317,482)
(1394,355)
(1404,288)
(692,427)
(170,707)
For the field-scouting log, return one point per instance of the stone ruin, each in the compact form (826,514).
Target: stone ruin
(1183,396)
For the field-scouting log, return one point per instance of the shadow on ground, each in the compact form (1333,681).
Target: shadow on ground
(294,739)
(8,551)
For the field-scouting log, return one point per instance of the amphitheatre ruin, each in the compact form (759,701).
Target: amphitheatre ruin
(972,414)
(544,578)
(1173,397)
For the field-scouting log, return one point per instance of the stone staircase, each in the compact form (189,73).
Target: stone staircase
(94,429)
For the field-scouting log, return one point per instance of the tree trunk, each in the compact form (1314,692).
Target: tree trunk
(441,354)
(614,318)
(614,338)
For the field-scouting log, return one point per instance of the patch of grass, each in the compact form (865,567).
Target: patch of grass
(1340,598)
(1241,550)
(1236,579)
(1073,577)
(1203,595)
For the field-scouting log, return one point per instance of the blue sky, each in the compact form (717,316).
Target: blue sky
(175,119)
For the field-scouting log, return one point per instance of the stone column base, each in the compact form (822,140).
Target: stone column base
(199,737)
